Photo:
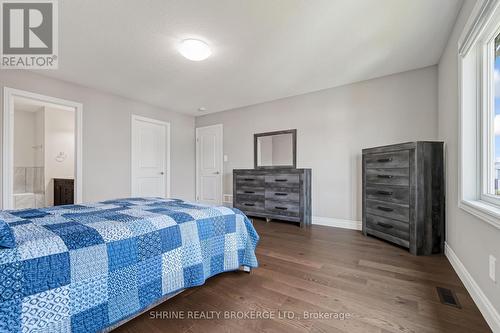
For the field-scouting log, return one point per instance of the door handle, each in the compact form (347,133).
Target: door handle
(162,173)
(216,173)
(384,192)
(385,225)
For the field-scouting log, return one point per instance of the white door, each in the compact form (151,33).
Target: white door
(149,157)
(209,164)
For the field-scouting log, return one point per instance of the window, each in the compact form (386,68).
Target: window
(495,162)
(479,163)
(491,121)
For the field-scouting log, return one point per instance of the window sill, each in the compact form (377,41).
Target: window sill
(482,210)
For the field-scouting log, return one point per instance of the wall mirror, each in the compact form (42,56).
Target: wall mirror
(275,149)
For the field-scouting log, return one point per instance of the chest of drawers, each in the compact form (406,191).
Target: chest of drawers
(403,195)
(283,194)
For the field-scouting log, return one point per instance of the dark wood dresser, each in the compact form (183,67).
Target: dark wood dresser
(282,194)
(404,195)
(64,191)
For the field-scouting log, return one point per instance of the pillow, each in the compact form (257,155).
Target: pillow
(6,235)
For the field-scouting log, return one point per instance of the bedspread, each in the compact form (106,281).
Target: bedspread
(82,268)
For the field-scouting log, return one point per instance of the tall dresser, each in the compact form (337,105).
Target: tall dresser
(404,195)
(283,194)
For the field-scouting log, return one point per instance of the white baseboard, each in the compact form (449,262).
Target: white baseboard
(483,303)
(338,223)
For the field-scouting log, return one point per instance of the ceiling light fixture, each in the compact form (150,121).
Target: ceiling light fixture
(202,109)
(194,49)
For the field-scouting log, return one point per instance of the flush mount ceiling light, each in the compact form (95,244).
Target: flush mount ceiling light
(194,49)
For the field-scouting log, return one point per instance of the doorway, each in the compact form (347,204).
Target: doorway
(150,157)
(42,151)
(209,164)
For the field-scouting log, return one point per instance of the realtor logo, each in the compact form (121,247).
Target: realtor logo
(29,34)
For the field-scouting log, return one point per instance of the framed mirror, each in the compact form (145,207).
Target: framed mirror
(275,149)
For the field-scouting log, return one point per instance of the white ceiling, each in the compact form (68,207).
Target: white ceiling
(262,49)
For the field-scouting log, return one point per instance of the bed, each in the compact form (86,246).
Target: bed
(86,268)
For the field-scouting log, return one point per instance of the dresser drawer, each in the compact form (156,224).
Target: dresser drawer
(394,228)
(249,205)
(250,180)
(283,180)
(388,209)
(396,159)
(283,194)
(400,195)
(380,176)
(282,208)
(248,198)
(250,190)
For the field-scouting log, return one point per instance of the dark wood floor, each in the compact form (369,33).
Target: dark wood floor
(325,271)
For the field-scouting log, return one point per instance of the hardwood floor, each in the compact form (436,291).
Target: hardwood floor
(326,271)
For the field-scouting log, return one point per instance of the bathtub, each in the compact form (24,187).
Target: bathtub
(29,200)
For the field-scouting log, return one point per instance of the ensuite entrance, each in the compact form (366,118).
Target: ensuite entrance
(40,159)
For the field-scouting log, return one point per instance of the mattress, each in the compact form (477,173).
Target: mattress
(83,268)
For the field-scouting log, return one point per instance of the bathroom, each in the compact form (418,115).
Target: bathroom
(44,153)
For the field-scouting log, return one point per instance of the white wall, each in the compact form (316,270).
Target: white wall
(107,136)
(470,238)
(40,138)
(59,134)
(24,138)
(333,126)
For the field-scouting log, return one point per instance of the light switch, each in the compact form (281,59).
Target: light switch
(225,158)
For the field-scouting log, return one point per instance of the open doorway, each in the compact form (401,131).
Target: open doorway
(41,151)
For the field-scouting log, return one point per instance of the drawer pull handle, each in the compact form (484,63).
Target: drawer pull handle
(249,192)
(384,192)
(385,209)
(249,204)
(281,180)
(385,176)
(385,225)
(249,179)
(281,194)
(280,208)
(384,160)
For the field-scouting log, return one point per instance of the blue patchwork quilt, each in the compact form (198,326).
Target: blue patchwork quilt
(82,268)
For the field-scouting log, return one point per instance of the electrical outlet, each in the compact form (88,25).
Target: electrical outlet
(493,263)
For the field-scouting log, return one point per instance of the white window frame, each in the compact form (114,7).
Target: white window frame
(487,94)
(475,60)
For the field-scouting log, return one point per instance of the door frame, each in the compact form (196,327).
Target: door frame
(168,177)
(221,129)
(8,140)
